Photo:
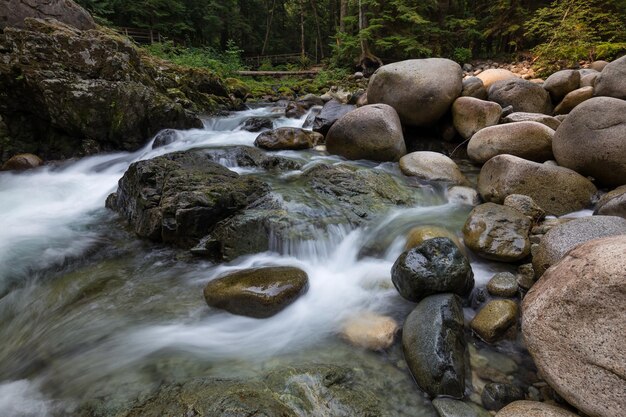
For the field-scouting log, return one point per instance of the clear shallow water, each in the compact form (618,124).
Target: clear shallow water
(88,311)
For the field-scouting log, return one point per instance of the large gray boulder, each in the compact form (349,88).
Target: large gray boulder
(565,237)
(421,90)
(370,132)
(556,189)
(561,83)
(612,80)
(523,95)
(573,326)
(497,232)
(432,166)
(528,140)
(469,115)
(13,13)
(433,341)
(592,140)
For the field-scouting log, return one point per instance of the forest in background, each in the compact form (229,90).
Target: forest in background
(344,32)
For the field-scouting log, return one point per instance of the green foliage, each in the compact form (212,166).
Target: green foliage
(223,64)
(462,55)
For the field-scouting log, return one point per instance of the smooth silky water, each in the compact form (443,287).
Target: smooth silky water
(89,314)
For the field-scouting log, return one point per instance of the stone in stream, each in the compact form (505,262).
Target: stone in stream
(552,122)
(555,189)
(561,83)
(528,140)
(503,284)
(496,395)
(22,162)
(370,331)
(612,203)
(292,138)
(166,137)
(611,82)
(463,195)
(565,237)
(432,166)
(258,292)
(420,234)
(573,326)
(523,95)
(330,113)
(494,319)
(433,341)
(592,140)
(420,90)
(573,99)
(525,205)
(497,232)
(474,87)
(469,115)
(533,409)
(256,124)
(435,266)
(447,407)
(295,110)
(370,132)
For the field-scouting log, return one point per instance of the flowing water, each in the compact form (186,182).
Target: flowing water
(91,314)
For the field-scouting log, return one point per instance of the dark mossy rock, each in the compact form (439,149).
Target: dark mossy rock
(330,113)
(180,197)
(256,124)
(257,292)
(496,395)
(250,156)
(435,266)
(165,137)
(433,341)
(61,86)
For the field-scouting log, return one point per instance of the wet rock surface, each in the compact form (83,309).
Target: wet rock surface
(494,319)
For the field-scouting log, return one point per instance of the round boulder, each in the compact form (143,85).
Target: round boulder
(493,75)
(573,99)
(420,234)
(431,166)
(469,115)
(370,132)
(288,138)
(561,83)
(258,292)
(528,140)
(435,266)
(555,189)
(497,232)
(256,124)
(592,140)
(612,80)
(494,319)
(523,95)
(503,284)
(330,113)
(22,162)
(433,341)
(421,90)
(562,238)
(533,409)
(598,65)
(573,326)
(474,87)
(613,203)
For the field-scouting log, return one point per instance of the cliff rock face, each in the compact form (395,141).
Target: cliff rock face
(67,92)
(13,12)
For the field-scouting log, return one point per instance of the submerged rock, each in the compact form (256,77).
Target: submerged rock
(434,345)
(573,326)
(258,292)
(370,331)
(435,266)
(447,407)
(494,319)
(496,395)
(420,234)
(165,137)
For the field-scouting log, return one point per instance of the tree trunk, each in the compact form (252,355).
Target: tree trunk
(368,61)
(343,13)
(317,25)
(302,50)
(269,27)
